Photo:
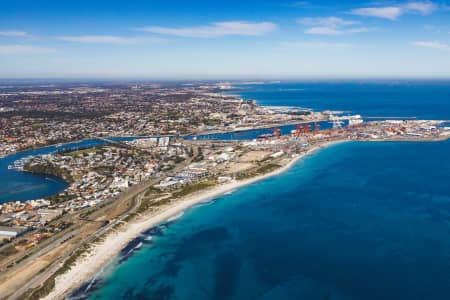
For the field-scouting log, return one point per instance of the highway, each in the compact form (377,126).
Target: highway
(42,277)
(135,191)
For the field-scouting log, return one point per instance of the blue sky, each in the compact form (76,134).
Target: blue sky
(224,39)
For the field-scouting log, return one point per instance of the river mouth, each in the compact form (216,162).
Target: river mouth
(22,186)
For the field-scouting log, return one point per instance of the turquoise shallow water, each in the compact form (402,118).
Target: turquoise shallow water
(353,221)
(365,98)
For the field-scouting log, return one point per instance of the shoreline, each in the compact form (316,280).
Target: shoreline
(24,152)
(102,253)
(133,137)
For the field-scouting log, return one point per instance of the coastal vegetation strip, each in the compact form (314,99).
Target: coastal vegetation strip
(192,188)
(48,285)
(174,205)
(7,251)
(49,169)
(264,169)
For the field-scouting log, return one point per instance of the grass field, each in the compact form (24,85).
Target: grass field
(78,152)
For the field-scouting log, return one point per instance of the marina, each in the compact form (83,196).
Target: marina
(20,163)
(280,143)
(224,150)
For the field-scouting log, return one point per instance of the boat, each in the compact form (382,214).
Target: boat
(354,121)
(264,136)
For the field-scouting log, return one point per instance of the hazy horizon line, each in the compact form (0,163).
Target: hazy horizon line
(223,78)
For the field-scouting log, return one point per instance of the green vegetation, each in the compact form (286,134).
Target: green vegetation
(199,156)
(257,171)
(84,151)
(58,198)
(162,202)
(7,251)
(151,191)
(51,115)
(267,168)
(190,152)
(104,170)
(150,203)
(211,122)
(22,258)
(49,169)
(191,188)
(49,284)
(179,159)
(38,125)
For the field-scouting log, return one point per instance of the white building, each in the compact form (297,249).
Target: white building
(11,232)
(163,141)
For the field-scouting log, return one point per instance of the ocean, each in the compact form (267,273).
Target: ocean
(352,221)
(369,99)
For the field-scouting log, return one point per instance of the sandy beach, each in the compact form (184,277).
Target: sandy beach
(102,253)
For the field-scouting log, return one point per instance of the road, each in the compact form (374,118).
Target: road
(42,277)
(135,191)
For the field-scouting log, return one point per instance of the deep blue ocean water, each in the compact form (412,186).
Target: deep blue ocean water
(353,221)
(365,98)
(372,99)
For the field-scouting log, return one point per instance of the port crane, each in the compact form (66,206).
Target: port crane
(276,132)
(298,130)
(316,128)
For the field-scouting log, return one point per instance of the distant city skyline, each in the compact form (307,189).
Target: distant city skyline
(228,40)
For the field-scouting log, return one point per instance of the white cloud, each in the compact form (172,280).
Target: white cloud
(24,49)
(329,21)
(316,45)
(217,29)
(424,8)
(393,12)
(335,31)
(13,33)
(331,26)
(107,39)
(434,45)
(323,30)
(390,13)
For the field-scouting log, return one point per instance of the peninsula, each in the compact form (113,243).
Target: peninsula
(122,187)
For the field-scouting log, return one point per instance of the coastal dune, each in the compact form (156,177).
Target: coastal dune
(103,252)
